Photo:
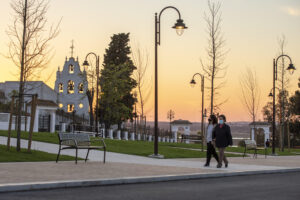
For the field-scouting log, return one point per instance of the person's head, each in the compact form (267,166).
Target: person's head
(222,119)
(212,119)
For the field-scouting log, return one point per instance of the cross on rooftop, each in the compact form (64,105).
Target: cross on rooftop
(72,48)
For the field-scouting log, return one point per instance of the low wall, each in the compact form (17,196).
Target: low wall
(4,121)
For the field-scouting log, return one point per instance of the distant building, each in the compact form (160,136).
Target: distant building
(71,86)
(182,126)
(30,87)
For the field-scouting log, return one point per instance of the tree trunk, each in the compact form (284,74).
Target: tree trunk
(21,88)
(32,118)
(10,122)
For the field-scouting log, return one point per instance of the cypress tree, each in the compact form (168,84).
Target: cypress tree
(116,102)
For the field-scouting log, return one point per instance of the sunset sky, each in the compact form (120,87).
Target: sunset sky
(251,29)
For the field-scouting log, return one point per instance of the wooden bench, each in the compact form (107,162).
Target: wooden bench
(78,141)
(193,138)
(251,145)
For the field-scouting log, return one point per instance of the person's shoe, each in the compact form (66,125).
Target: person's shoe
(226,165)
(206,165)
(219,166)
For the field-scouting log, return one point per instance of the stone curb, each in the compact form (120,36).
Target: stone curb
(130,180)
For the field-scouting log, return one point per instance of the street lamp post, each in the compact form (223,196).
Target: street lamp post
(291,69)
(179,26)
(193,82)
(86,63)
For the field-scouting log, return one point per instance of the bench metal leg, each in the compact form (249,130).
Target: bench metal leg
(58,155)
(87,155)
(104,156)
(76,155)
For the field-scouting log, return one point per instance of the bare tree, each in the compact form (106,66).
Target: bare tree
(283,82)
(29,43)
(250,93)
(214,68)
(170,116)
(140,59)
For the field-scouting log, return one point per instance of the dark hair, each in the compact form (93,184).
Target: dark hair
(213,119)
(223,116)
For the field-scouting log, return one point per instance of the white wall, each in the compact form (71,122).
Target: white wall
(4,121)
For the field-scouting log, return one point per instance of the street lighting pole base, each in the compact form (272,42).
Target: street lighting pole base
(156,156)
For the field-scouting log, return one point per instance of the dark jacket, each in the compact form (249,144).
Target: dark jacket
(222,136)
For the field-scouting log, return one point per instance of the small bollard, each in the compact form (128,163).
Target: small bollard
(138,136)
(125,135)
(132,136)
(118,134)
(110,134)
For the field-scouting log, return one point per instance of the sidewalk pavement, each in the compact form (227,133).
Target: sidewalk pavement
(123,168)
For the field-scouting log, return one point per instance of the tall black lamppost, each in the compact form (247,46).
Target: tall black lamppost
(85,64)
(193,82)
(179,26)
(291,69)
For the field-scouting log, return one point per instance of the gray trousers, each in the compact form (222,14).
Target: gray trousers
(222,156)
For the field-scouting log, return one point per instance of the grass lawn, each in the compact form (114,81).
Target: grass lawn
(292,152)
(140,148)
(41,136)
(143,148)
(24,156)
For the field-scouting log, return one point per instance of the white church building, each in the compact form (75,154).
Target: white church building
(68,95)
(71,86)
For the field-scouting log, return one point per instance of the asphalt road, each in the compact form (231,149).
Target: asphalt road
(272,186)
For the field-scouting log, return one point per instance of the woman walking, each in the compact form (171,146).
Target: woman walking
(222,138)
(212,123)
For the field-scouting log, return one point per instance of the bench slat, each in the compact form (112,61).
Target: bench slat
(70,138)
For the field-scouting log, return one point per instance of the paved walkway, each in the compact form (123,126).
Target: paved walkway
(123,165)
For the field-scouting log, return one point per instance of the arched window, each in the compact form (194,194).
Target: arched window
(70,87)
(60,88)
(80,88)
(71,69)
(70,107)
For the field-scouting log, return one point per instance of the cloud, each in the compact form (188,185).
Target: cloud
(292,11)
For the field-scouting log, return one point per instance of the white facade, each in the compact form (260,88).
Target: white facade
(263,125)
(180,125)
(49,109)
(71,85)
